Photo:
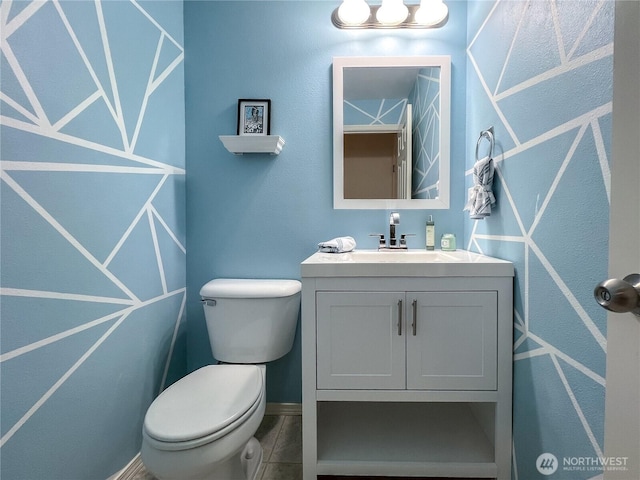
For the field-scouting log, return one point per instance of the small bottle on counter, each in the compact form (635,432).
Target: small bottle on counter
(448,242)
(431,234)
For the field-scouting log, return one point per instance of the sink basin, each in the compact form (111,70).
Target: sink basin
(411,263)
(402,256)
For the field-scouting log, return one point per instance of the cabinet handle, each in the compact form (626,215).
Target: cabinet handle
(399,317)
(414,323)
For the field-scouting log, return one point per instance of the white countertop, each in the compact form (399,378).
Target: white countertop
(408,263)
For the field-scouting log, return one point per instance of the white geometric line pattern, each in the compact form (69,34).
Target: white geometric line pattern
(425,98)
(93,249)
(540,71)
(374,112)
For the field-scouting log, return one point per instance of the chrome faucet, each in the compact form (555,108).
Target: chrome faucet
(394,219)
(394,242)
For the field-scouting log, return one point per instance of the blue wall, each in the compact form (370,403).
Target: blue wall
(258,215)
(541,74)
(92,230)
(550,106)
(93,214)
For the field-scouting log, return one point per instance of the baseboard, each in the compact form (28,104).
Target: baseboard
(130,472)
(283,409)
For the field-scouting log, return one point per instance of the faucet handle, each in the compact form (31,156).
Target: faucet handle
(381,240)
(403,238)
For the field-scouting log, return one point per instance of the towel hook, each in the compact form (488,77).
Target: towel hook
(488,134)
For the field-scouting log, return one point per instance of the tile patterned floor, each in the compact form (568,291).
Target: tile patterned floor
(281,440)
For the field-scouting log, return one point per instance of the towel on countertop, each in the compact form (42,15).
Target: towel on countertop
(338,245)
(480,195)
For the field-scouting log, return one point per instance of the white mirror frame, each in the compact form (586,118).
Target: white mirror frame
(339,64)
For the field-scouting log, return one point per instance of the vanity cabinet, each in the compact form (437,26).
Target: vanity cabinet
(406,369)
(406,340)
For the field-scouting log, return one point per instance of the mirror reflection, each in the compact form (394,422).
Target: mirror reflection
(391,121)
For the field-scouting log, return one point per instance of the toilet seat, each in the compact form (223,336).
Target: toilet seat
(203,406)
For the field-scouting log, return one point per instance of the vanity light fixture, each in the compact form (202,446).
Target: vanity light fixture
(431,12)
(353,12)
(391,14)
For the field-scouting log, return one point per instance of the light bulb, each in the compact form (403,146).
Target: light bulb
(392,12)
(431,12)
(354,12)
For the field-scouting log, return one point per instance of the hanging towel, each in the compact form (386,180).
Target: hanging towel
(338,245)
(480,195)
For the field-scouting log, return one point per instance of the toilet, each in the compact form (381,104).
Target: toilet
(202,426)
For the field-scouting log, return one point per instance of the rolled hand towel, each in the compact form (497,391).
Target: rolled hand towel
(338,245)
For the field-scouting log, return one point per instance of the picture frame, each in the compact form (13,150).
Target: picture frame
(254,116)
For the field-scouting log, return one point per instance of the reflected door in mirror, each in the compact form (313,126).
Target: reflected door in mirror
(370,165)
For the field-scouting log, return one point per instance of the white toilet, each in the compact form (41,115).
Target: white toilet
(202,426)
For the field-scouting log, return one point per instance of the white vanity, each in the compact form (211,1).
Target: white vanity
(407,364)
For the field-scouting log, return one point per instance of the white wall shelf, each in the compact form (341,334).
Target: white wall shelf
(240,144)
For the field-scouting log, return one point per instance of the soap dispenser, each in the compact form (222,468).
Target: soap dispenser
(431,234)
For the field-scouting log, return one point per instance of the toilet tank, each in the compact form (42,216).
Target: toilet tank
(251,320)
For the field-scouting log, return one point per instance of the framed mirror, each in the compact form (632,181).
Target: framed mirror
(391,132)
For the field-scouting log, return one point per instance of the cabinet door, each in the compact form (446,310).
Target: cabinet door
(455,342)
(359,344)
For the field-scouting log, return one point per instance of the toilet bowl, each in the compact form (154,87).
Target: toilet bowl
(202,426)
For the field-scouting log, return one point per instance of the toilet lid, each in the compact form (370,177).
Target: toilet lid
(249,288)
(203,402)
